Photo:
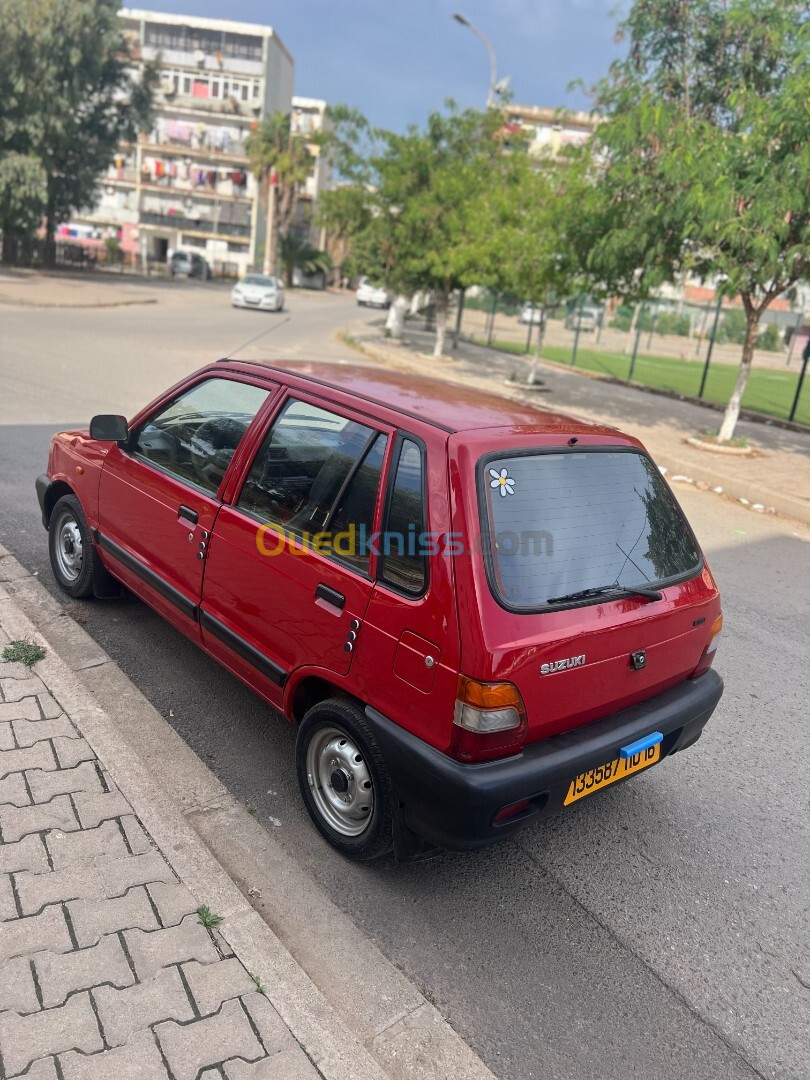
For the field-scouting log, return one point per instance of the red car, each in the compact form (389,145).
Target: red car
(476,613)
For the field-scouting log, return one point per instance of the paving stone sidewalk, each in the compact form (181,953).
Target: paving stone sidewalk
(106,972)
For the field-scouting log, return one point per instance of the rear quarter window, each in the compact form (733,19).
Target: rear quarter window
(556,523)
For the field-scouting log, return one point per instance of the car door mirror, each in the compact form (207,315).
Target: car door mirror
(109,428)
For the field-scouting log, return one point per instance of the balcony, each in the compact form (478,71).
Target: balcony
(198,225)
(234,155)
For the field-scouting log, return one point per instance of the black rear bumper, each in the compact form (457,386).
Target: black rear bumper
(453,805)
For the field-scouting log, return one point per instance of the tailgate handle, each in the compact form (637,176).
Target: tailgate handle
(653,739)
(188,514)
(331,596)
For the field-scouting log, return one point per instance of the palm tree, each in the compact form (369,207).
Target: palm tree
(272,147)
(296,251)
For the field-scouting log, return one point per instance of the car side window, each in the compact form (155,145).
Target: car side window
(404,565)
(316,476)
(195,436)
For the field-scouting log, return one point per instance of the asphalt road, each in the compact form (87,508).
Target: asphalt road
(657,930)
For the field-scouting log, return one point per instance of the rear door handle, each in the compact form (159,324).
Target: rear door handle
(331,596)
(187,514)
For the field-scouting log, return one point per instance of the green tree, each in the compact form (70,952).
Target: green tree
(22,200)
(433,206)
(69,96)
(533,234)
(298,253)
(701,164)
(273,149)
(344,213)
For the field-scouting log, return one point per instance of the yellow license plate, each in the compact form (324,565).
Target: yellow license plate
(594,779)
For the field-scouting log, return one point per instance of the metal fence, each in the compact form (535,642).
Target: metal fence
(688,349)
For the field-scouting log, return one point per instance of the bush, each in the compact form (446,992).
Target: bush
(731,328)
(770,339)
(622,318)
(671,323)
(114,253)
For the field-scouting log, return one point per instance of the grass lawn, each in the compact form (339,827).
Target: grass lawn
(768,391)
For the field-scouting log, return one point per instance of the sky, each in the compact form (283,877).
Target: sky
(398,61)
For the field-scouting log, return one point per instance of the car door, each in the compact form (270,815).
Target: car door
(287,577)
(159,495)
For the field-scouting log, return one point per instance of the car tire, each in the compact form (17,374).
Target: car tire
(336,747)
(70,548)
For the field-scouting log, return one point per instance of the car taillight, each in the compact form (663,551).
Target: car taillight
(489,721)
(707,657)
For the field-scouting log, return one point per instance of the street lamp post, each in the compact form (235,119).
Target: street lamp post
(493,67)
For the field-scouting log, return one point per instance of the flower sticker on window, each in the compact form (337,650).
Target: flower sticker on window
(503,481)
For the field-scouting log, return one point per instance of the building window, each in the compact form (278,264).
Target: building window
(187,85)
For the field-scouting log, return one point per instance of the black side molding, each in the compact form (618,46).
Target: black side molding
(153,580)
(242,648)
(331,596)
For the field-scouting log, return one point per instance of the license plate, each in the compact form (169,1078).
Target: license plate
(594,779)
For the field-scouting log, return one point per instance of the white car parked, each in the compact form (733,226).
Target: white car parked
(258,291)
(589,318)
(370,295)
(531,314)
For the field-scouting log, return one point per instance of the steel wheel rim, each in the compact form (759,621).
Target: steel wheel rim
(334,759)
(68,548)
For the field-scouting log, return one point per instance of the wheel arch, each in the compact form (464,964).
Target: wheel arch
(310,690)
(57,490)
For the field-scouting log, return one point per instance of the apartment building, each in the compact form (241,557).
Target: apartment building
(185,185)
(550,130)
(309,118)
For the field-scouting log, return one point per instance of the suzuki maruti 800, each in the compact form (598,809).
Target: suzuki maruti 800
(476,613)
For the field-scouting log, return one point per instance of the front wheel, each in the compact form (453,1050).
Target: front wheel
(343,780)
(70,547)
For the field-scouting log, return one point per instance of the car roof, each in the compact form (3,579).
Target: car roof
(453,408)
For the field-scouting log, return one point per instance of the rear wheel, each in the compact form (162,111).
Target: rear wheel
(343,780)
(70,547)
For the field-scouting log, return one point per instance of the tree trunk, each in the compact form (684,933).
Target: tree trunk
(441,320)
(538,345)
(732,412)
(395,322)
(50,232)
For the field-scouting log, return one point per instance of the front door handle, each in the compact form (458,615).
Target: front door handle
(331,596)
(187,514)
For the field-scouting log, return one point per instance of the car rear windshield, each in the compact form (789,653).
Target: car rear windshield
(558,523)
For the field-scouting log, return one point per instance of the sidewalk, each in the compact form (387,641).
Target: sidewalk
(105,966)
(63,289)
(109,846)
(776,477)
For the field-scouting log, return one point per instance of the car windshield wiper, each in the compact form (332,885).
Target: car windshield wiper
(600,590)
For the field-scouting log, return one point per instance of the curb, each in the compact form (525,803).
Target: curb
(104,304)
(215,846)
